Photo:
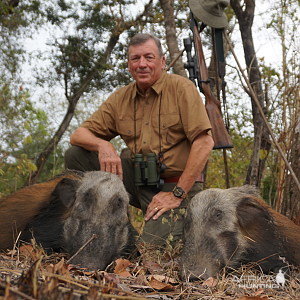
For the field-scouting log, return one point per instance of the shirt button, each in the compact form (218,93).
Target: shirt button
(144,142)
(147,103)
(128,131)
(147,123)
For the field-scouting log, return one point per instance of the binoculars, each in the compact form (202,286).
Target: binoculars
(146,172)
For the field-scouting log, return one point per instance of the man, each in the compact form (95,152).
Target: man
(158,113)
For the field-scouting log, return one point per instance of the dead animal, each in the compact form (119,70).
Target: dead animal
(65,212)
(228,228)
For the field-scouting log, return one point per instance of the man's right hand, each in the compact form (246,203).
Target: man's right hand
(109,159)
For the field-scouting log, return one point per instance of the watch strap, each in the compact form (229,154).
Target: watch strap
(183,193)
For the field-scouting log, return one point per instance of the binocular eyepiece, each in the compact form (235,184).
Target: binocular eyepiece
(146,172)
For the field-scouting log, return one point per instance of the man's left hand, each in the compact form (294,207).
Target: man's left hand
(161,202)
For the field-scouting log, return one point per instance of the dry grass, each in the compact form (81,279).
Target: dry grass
(28,273)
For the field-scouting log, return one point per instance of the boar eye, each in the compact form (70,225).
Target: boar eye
(217,215)
(117,203)
(89,197)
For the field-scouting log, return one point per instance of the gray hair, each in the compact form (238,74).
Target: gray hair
(141,38)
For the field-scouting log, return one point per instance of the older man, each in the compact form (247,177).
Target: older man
(158,113)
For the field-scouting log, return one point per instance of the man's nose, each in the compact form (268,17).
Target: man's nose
(142,62)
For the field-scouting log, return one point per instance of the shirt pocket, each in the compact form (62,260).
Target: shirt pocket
(171,129)
(128,131)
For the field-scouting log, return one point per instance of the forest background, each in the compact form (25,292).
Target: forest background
(59,60)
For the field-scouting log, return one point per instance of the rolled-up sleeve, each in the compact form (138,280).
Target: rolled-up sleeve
(102,122)
(193,113)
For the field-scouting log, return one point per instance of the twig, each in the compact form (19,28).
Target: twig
(16,272)
(15,245)
(82,284)
(85,285)
(17,292)
(81,248)
(34,275)
(175,59)
(103,295)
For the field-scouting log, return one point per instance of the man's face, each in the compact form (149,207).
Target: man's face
(144,64)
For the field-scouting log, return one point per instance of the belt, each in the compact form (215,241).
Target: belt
(200,178)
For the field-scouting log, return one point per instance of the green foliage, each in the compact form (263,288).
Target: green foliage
(83,59)
(241,133)
(268,190)
(13,173)
(16,23)
(238,161)
(281,84)
(24,133)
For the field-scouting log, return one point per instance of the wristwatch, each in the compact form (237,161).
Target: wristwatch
(179,192)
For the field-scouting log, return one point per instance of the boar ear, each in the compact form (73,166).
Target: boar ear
(65,190)
(252,216)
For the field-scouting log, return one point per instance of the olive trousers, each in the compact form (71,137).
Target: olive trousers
(169,226)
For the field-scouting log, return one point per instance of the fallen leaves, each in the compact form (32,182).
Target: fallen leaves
(122,265)
(159,285)
(153,267)
(51,277)
(210,282)
(61,268)
(156,282)
(250,298)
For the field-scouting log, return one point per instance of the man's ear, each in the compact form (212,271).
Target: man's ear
(163,62)
(128,64)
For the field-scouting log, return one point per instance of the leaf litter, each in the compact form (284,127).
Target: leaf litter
(28,272)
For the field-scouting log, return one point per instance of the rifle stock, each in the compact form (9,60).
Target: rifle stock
(213,106)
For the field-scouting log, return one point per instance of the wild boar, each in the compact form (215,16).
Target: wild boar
(228,228)
(65,212)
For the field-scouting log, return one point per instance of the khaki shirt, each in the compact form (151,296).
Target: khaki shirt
(168,117)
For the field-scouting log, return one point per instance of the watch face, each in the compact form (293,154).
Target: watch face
(178,191)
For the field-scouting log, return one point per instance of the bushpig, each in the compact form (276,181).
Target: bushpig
(65,212)
(228,228)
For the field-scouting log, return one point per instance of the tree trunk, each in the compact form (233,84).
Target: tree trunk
(261,135)
(44,156)
(168,8)
(295,164)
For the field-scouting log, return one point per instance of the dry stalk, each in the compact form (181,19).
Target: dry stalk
(81,248)
(81,283)
(15,245)
(14,291)
(105,296)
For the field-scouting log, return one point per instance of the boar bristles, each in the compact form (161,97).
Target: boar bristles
(29,201)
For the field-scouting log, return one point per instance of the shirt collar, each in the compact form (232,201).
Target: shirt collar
(159,83)
(156,87)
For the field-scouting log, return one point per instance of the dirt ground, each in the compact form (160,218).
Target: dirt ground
(28,273)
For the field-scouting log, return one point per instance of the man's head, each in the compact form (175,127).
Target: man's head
(145,60)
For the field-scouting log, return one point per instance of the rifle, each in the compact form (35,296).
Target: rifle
(198,70)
